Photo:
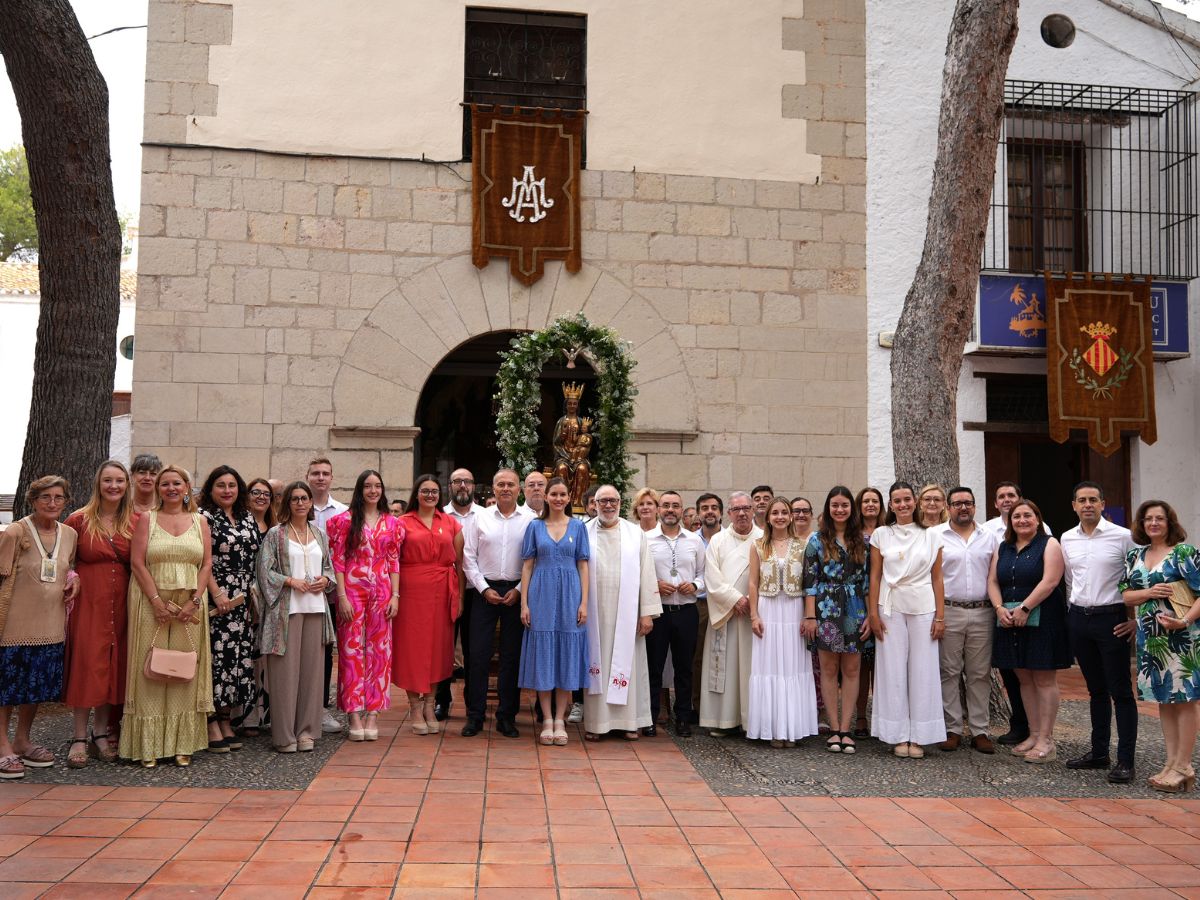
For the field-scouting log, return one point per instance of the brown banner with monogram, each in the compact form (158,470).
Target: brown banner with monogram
(1099,359)
(525,188)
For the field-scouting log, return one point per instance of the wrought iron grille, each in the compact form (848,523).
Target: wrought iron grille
(1095,178)
(524,59)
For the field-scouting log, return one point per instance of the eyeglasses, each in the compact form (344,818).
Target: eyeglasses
(932,500)
(801,512)
(462,481)
(429,492)
(300,498)
(53,499)
(963,504)
(740,509)
(608,501)
(258,492)
(1149,519)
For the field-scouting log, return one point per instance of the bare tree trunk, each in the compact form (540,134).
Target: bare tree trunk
(939,308)
(63,101)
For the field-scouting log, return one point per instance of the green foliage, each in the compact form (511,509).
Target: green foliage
(18,231)
(519,395)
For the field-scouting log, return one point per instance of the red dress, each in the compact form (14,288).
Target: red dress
(97,643)
(423,629)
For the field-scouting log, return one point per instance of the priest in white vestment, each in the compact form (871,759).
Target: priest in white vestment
(623,602)
(725,676)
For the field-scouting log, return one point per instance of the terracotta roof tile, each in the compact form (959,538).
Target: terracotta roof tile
(22,278)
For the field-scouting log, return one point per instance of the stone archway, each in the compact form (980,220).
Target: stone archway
(417,322)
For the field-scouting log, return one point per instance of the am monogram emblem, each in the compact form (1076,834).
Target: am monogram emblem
(527,194)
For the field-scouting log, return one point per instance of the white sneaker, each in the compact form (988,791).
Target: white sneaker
(575,716)
(330,725)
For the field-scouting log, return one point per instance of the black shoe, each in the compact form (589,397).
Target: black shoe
(694,718)
(507,728)
(683,728)
(459,673)
(1089,761)
(472,728)
(1012,738)
(649,731)
(441,712)
(1121,773)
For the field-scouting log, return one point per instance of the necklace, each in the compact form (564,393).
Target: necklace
(304,544)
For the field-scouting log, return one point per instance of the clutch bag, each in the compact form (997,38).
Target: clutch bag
(1182,599)
(1034,617)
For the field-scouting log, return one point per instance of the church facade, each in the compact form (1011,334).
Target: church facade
(305,275)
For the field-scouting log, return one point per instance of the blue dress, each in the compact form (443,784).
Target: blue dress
(1044,646)
(554,649)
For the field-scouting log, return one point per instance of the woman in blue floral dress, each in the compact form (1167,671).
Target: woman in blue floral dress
(1168,638)
(835,573)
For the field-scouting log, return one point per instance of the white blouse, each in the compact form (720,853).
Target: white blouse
(908,553)
(305,562)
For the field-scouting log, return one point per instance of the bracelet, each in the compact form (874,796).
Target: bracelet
(196,602)
(810,618)
(939,620)
(155,597)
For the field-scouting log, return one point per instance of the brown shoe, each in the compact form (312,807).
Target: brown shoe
(983,744)
(951,742)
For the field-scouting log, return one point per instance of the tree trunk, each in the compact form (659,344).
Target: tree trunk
(940,305)
(63,102)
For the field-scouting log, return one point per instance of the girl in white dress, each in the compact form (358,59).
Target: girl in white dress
(783,692)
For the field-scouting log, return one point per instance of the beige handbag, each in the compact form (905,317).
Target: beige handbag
(171,666)
(1182,599)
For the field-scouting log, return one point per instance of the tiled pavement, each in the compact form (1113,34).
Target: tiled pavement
(447,816)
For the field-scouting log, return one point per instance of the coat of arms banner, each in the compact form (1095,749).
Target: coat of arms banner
(1099,359)
(525,188)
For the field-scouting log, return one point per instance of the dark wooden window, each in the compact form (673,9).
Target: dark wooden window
(524,59)
(1046,221)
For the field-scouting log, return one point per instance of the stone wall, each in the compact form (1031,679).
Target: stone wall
(292,304)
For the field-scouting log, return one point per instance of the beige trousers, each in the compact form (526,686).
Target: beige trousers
(296,680)
(966,651)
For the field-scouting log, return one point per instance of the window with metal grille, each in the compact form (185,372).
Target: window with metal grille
(1046,207)
(526,59)
(1017,398)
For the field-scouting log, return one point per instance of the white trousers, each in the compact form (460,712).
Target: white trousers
(908,684)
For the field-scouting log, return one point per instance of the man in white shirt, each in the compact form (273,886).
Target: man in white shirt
(535,492)
(679,569)
(1007,493)
(1100,626)
(710,510)
(320,477)
(492,540)
(966,647)
(462,507)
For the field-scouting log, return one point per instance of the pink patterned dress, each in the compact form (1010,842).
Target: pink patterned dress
(365,642)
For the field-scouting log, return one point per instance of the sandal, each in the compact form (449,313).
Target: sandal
(591,736)
(37,756)
(371,727)
(547,736)
(77,760)
(848,745)
(863,730)
(106,753)
(232,741)
(834,744)
(11,767)
(560,733)
(630,735)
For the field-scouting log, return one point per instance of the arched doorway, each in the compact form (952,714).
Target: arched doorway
(455,412)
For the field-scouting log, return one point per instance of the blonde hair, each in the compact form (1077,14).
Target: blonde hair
(763,544)
(641,495)
(123,517)
(929,489)
(182,473)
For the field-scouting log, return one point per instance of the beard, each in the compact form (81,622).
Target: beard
(462,498)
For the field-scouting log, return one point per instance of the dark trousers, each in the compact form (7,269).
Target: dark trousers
(483,619)
(326,700)
(1104,661)
(1018,721)
(462,632)
(675,631)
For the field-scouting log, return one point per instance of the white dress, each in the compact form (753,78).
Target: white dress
(783,692)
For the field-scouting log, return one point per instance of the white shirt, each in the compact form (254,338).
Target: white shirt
(305,562)
(463,518)
(686,551)
(965,563)
(999,525)
(1094,564)
(492,545)
(322,514)
(908,552)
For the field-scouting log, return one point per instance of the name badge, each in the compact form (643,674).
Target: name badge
(49,570)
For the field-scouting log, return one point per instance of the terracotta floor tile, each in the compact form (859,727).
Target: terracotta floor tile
(671,877)
(442,852)
(141,848)
(717,834)
(39,868)
(820,878)
(218,850)
(1010,855)
(177,892)
(237,891)
(535,853)
(70,890)
(307,831)
(81,827)
(372,874)
(502,875)
(358,851)
(435,875)
(658,854)
(586,875)
(688,894)
(511,893)
(29,824)
(171,809)
(1108,876)
(123,871)
(27,890)
(1070,855)
(219,796)
(201,872)
(651,834)
(600,852)
(224,831)
(957,878)
(937,855)
(598,894)
(119,809)
(756,877)
(64,846)
(156,794)
(15,843)
(270,872)
(349,893)
(1168,875)
(1036,877)
(41,806)
(871,855)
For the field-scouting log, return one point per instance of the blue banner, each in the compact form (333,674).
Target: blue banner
(1012,313)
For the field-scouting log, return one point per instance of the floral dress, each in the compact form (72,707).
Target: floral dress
(1168,661)
(234,548)
(840,587)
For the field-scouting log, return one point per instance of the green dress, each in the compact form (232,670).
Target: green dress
(1168,661)
(162,719)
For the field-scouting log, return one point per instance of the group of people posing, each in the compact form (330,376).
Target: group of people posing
(761,622)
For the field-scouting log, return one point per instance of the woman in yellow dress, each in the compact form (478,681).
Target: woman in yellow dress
(171,561)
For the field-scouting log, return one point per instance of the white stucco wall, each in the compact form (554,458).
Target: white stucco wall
(903,93)
(18,336)
(281,83)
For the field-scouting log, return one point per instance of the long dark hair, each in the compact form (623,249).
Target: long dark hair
(414,502)
(209,505)
(882,503)
(890,517)
(546,506)
(269,516)
(856,547)
(358,509)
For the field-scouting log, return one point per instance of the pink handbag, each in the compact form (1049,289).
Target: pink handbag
(171,666)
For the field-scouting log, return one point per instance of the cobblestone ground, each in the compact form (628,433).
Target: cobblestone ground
(447,816)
